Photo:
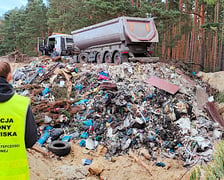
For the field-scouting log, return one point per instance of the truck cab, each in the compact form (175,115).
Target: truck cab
(63,43)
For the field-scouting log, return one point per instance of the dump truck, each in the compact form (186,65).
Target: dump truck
(115,41)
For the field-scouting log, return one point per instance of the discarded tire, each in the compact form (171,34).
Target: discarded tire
(60,148)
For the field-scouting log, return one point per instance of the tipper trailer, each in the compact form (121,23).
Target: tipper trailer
(115,41)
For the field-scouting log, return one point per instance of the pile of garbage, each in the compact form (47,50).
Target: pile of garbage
(129,106)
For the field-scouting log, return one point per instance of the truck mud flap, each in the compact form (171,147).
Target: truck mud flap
(144,59)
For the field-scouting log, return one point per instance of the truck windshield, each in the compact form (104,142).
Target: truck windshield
(69,40)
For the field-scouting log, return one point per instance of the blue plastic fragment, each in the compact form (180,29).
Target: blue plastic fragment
(88,122)
(160,164)
(66,138)
(129,132)
(78,86)
(82,143)
(84,135)
(86,161)
(45,91)
(104,73)
(43,138)
(83,101)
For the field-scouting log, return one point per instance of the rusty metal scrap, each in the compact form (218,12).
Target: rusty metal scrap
(54,109)
(201,97)
(108,86)
(213,111)
(51,70)
(45,106)
(163,84)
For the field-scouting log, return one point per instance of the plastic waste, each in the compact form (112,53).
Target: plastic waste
(45,91)
(104,73)
(66,138)
(41,70)
(47,119)
(88,122)
(82,143)
(90,144)
(74,135)
(83,101)
(86,162)
(79,86)
(62,83)
(160,164)
(56,133)
(45,136)
(101,77)
(17,75)
(84,135)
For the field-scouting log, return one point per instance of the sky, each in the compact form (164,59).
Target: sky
(6,5)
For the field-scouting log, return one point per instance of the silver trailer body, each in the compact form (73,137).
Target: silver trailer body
(123,36)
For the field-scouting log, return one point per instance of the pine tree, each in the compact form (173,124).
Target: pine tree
(35,26)
(10,31)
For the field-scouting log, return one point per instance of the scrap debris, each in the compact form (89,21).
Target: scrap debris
(17,57)
(123,107)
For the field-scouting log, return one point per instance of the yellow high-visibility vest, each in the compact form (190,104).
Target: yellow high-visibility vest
(13,158)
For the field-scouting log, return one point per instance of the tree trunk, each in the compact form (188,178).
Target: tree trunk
(182,45)
(168,40)
(179,31)
(180,5)
(167,5)
(188,38)
(187,48)
(173,48)
(221,66)
(193,32)
(132,2)
(164,46)
(208,50)
(216,38)
(202,37)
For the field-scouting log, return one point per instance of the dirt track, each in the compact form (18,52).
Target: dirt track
(122,167)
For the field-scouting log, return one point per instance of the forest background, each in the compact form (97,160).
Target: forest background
(189,31)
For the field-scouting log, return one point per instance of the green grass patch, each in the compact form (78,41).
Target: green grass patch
(213,170)
(220,97)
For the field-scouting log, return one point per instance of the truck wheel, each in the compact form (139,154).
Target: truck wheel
(99,58)
(108,58)
(60,148)
(83,58)
(117,58)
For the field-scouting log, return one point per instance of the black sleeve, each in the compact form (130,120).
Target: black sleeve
(31,129)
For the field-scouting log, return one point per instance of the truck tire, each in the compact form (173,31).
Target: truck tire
(117,58)
(108,58)
(99,58)
(60,148)
(83,58)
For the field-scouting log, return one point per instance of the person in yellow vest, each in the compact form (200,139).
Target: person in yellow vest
(18,129)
